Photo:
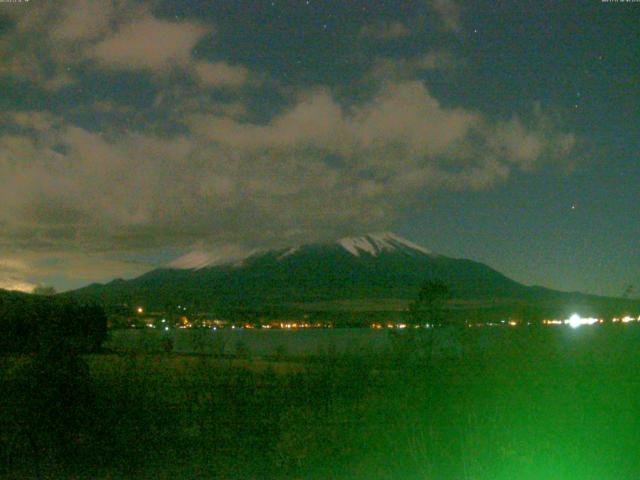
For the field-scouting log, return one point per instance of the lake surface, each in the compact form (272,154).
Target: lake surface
(253,341)
(602,341)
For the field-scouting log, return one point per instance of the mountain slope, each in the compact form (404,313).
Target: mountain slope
(373,268)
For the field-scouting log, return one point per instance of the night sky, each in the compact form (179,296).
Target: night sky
(507,132)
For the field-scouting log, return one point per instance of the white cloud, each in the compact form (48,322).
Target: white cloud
(13,274)
(222,254)
(13,265)
(408,115)
(49,37)
(16,284)
(150,43)
(20,268)
(221,74)
(402,116)
(52,40)
(36,120)
(83,20)
(317,169)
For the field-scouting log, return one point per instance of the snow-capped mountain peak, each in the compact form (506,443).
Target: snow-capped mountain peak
(225,255)
(230,255)
(374,243)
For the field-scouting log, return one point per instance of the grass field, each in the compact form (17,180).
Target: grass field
(544,404)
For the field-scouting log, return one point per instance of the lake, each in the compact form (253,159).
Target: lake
(601,340)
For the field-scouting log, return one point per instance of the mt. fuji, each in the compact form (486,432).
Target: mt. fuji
(378,270)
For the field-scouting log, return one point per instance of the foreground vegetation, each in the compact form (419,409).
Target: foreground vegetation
(545,404)
(38,323)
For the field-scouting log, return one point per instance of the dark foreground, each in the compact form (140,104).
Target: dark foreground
(550,403)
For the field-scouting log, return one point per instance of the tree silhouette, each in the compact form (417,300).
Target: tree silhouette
(628,291)
(30,323)
(44,290)
(430,305)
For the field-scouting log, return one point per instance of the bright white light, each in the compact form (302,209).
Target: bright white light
(627,319)
(166,328)
(575,321)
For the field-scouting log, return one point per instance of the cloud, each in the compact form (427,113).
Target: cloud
(51,40)
(449,13)
(316,170)
(15,284)
(401,117)
(221,74)
(211,256)
(63,268)
(54,45)
(150,43)
(51,44)
(13,274)
(83,20)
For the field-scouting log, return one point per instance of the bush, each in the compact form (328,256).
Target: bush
(32,323)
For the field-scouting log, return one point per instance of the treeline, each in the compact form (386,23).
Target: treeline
(32,323)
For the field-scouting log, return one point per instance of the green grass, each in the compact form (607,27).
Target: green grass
(539,404)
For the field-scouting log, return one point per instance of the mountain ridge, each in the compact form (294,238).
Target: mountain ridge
(370,243)
(372,269)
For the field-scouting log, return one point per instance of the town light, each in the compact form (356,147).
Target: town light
(575,321)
